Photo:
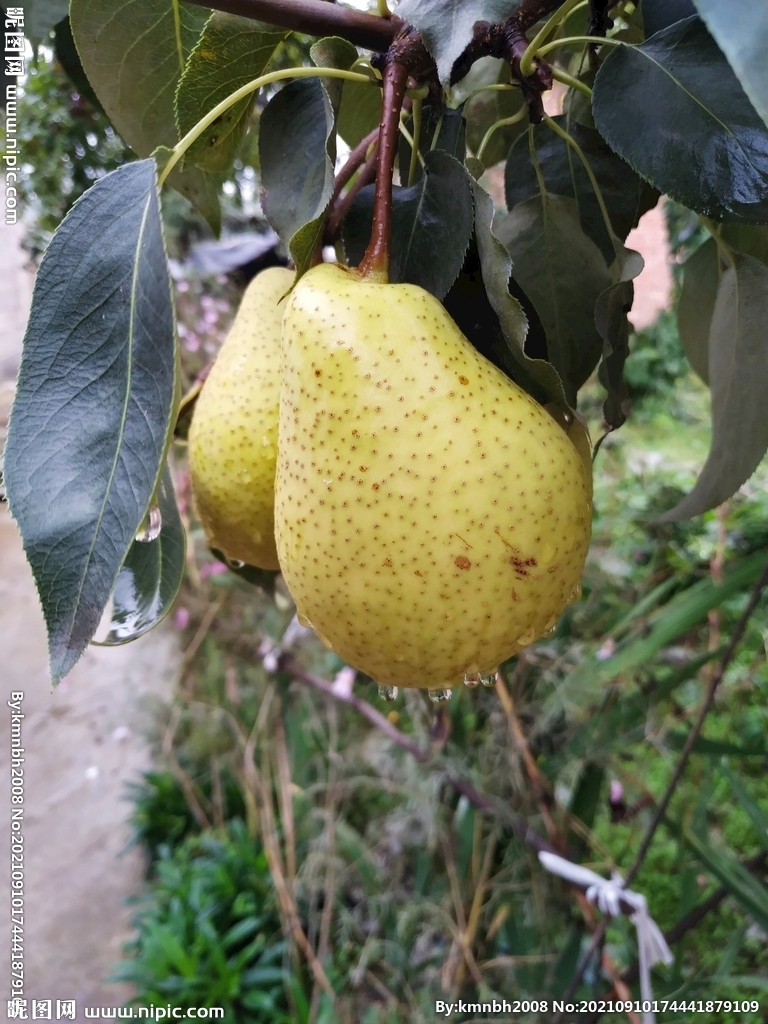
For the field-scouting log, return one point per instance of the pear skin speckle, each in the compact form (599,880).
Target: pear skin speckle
(233,435)
(431,518)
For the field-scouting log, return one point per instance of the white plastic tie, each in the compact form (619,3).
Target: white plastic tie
(608,894)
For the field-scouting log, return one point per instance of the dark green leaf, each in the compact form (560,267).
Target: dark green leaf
(334,52)
(659,14)
(446,26)
(626,195)
(150,576)
(578,107)
(135,83)
(715,748)
(443,130)
(670,621)
(613,326)
(69,58)
(738,371)
(701,277)
(431,225)
(484,109)
(40,16)
(536,376)
(95,404)
(585,801)
(262,578)
(230,52)
(360,112)
(296,171)
(756,814)
(684,122)
(751,239)
(563,273)
(740,28)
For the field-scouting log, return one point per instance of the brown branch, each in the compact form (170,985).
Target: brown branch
(375,262)
(315,18)
(339,211)
(357,157)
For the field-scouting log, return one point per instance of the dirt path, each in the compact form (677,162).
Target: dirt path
(82,743)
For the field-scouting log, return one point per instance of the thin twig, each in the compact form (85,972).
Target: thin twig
(342,206)
(537,779)
(357,157)
(477,905)
(497,809)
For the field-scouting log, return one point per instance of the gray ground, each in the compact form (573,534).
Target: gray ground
(82,744)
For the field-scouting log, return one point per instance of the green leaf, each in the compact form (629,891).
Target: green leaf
(447,26)
(740,29)
(536,376)
(136,81)
(659,14)
(69,58)
(334,52)
(359,113)
(756,814)
(701,278)
(40,16)
(743,886)
(443,130)
(431,225)
(484,109)
(667,623)
(563,273)
(230,52)
(585,801)
(150,576)
(715,748)
(751,239)
(684,122)
(626,195)
(296,171)
(95,404)
(738,371)
(611,321)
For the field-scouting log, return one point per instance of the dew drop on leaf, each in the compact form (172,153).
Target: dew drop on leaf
(151,527)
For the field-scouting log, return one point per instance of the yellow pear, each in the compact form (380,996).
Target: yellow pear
(577,430)
(233,435)
(431,518)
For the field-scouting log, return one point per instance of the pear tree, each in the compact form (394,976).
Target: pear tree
(378,145)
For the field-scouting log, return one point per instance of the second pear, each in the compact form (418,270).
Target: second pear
(233,436)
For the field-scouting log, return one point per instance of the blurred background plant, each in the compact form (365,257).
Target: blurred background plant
(312,862)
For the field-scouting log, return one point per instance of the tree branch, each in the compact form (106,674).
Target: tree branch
(315,18)
(484,803)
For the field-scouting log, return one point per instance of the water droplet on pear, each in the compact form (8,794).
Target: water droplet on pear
(440,696)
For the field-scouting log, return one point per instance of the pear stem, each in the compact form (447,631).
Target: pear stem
(375,262)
